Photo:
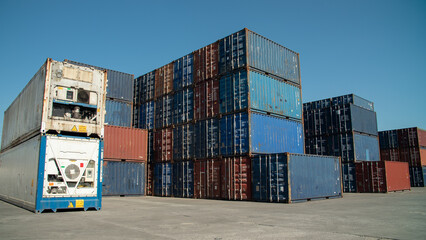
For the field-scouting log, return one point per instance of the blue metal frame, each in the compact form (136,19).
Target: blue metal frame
(74,103)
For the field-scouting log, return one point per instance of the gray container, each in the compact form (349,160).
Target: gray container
(61,97)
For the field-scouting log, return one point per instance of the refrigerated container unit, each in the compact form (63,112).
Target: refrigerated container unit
(123,178)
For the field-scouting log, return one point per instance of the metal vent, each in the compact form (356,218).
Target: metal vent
(72,171)
(83,96)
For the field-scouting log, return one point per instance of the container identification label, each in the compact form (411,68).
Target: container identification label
(82,128)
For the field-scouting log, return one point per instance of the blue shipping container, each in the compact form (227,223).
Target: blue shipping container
(164,111)
(183,145)
(350,117)
(288,177)
(366,148)
(417,176)
(182,73)
(163,179)
(146,115)
(183,106)
(118,113)
(123,178)
(349,177)
(145,88)
(232,52)
(233,92)
(206,138)
(353,147)
(388,139)
(183,179)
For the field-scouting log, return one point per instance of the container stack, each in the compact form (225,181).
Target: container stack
(344,126)
(52,147)
(406,145)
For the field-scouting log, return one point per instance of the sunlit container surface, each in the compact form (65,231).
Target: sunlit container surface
(164,80)
(163,145)
(236,178)
(288,177)
(206,138)
(183,106)
(164,111)
(340,100)
(118,113)
(124,143)
(206,99)
(182,74)
(183,179)
(183,142)
(144,88)
(233,92)
(123,178)
(207,178)
(163,179)
(206,62)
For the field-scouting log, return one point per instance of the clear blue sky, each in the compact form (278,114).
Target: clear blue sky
(375,49)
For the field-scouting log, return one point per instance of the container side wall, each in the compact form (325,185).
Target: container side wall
(233,92)
(397,176)
(123,178)
(118,113)
(183,72)
(349,177)
(363,120)
(232,52)
(206,62)
(125,143)
(366,148)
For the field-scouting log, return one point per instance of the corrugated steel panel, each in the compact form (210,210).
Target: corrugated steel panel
(233,92)
(411,155)
(150,147)
(183,72)
(318,145)
(163,145)
(163,179)
(417,176)
(391,154)
(206,139)
(164,111)
(232,52)
(183,179)
(363,121)
(120,84)
(371,177)
(349,177)
(145,88)
(294,177)
(183,106)
(317,122)
(146,115)
(149,179)
(273,58)
(164,80)
(236,178)
(397,176)
(206,62)
(206,99)
(422,137)
(118,113)
(234,134)
(207,178)
(125,143)
(388,139)
(123,178)
(366,148)
(340,100)
(183,145)
(423,156)
(273,96)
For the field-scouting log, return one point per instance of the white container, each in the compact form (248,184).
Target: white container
(60,98)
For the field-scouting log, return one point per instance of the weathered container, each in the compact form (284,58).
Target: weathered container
(317,122)
(340,100)
(411,137)
(417,176)
(163,179)
(206,61)
(248,49)
(411,155)
(125,143)
(391,154)
(150,147)
(61,97)
(207,178)
(144,115)
(53,172)
(243,133)
(183,142)
(120,84)
(206,99)
(144,88)
(349,177)
(164,111)
(206,139)
(163,145)
(183,72)
(121,178)
(183,106)
(288,177)
(183,179)
(233,92)
(164,80)
(423,155)
(236,178)
(118,113)
(388,139)
(150,179)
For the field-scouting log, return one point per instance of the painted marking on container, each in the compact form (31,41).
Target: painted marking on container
(79,203)
(81,164)
(60,88)
(82,128)
(51,184)
(74,129)
(62,166)
(70,205)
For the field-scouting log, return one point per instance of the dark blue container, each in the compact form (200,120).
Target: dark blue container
(145,88)
(163,179)
(349,177)
(417,176)
(288,177)
(233,52)
(123,178)
(340,100)
(183,106)
(346,118)
(146,115)
(164,111)
(118,113)
(182,73)
(183,145)
(233,92)
(206,138)
(183,179)
(354,147)
(234,134)
(388,139)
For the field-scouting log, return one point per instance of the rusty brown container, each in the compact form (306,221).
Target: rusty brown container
(163,145)
(422,137)
(423,156)
(397,176)
(125,143)
(207,178)
(391,154)
(236,178)
(206,99)
(411,155)
(164,80)
(206,62)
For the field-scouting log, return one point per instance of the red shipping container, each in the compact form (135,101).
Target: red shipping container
(163,145)
(236,178)
(207,177)
(206,62)
(382,177)
(423,156)
(422,137)
(206,99)
(410,155)
(391,154)
(125,143)
(164,80)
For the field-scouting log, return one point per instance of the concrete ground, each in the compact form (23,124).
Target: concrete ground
(400,215)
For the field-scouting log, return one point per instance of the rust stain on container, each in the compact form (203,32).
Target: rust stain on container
(125,143)
(207,178)
(206,62)
(236,178)
(206,99)
(164,80)
(163,145)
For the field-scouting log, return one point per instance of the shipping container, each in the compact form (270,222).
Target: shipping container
(236,178)
(417,176)
(121,178)
(411,137)
(349,177)
(340,100)
(50,172)
(118,113)
(164,80)
(206,99)
(125,143)
(183,106)
(207,178)
(164,111)
(411,155)
(149,179)
(183,179)
(163,145)
(183,72)
(233,92)
(391,154)
(285,177)
(120,85)
(144,115)
(206,62)
(388,139)
(423,156)
(183,142)
(248,49)
(206,138)
(317,122)
(144,88)
(150,146)
(61,98)
(163,179)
